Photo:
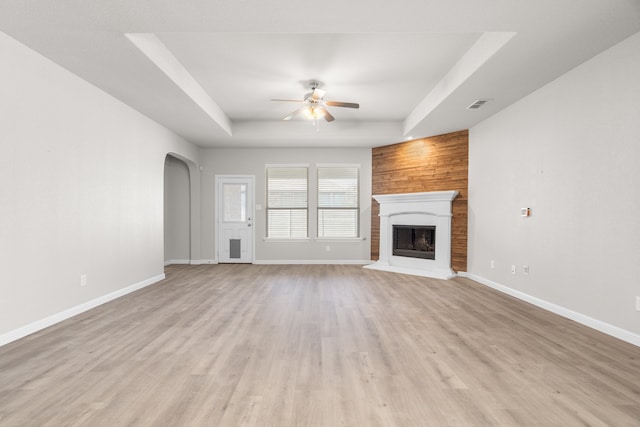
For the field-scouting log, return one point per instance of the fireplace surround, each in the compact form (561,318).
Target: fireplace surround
(417,211)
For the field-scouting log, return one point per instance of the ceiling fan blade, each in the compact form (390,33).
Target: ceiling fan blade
(327,115)
(288,100)
(317,94)
(342,104)
(295,113)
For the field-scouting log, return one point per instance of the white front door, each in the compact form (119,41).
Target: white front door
(234,213)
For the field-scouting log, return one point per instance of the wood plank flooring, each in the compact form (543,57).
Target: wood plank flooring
(317,345)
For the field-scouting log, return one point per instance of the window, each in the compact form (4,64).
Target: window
(287,208)
(338,209)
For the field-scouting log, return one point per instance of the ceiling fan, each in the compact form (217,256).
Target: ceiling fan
(315,107)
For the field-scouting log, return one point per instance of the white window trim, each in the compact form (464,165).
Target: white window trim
(338,240)
(309,239)
(283,240)
(286,165)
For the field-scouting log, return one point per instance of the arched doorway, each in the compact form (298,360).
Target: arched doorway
(177,216)
(181,211)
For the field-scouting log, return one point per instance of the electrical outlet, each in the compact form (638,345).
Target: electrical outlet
(638,303)
(513,269)
(327,248)
(83,280)
(493,264)
(525,269)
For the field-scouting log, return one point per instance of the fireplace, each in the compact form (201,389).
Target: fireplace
(412,249)
(414,241)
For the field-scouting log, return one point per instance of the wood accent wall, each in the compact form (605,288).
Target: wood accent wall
(438,163)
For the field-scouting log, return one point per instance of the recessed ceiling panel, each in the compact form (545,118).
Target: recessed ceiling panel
(388,74)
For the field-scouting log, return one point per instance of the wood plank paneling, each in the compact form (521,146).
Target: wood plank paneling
(438,163)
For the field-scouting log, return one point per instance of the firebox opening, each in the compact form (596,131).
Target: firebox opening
(414,241)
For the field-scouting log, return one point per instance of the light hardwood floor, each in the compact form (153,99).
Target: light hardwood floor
(322,345)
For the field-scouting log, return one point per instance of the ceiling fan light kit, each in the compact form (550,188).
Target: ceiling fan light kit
(315,107)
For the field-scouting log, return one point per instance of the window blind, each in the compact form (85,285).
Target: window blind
(287,202)
(338,202)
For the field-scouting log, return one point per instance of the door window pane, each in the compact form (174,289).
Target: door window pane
(235,202)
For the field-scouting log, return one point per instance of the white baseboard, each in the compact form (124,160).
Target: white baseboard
(189,261)
(598,325)
(313,261)
(177,261)
(74,311)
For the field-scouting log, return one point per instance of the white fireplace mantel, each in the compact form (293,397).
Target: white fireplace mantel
(423,209)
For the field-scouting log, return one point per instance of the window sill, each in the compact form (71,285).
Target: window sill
(307,239)
(281,240)
(340,239)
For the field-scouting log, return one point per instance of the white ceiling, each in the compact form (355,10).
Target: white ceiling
(413,65)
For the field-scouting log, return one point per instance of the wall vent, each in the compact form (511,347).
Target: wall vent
(477,104)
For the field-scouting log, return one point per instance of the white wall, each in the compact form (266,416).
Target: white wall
(252,162)
(177,240)
(82,192)
(570,152)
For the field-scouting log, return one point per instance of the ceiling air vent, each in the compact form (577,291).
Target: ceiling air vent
(478,103)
